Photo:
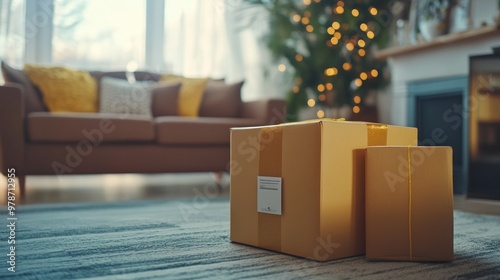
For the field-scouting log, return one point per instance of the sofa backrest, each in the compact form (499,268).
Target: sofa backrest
(33,97)
(219,99)
(139,75)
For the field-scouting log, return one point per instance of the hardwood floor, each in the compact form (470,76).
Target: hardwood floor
(94,188)
(116,187)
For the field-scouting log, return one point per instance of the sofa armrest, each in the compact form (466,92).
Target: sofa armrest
(270,111)
(12,128)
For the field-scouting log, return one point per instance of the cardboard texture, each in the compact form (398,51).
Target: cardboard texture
(321,164)
(409,203)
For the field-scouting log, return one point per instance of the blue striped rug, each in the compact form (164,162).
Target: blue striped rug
(189,239)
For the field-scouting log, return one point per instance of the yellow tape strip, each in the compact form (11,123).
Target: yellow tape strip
(409,203)
(377,134)
(325,119)
(270,164)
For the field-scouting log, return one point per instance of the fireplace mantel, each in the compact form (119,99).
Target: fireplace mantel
(439,42)
(435,75)
(446,56)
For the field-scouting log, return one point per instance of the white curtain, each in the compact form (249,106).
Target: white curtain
(210,38)
(12,32)
(195,41)
(202,38)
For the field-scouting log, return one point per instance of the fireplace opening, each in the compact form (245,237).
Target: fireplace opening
(433,116)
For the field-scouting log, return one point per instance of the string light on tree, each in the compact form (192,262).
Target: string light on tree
(346,66)
(337,36)
(349,46)
(321,88)
(320,114)
(311,102)
(358,82)
(357,99)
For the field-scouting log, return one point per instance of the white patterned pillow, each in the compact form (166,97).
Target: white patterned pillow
(120,96)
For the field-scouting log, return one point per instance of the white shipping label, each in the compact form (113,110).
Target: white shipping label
(269,195)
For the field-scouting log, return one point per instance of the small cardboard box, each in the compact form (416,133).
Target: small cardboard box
(298,188)
(409,203)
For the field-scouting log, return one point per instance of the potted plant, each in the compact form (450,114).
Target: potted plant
(433,18)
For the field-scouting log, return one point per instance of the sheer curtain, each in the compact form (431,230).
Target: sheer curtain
(195,40)
(210,38)
(202,38)
(12,32)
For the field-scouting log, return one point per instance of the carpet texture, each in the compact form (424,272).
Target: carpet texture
(189,239)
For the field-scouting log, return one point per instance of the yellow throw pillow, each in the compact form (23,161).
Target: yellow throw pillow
(190,95)
(64,89)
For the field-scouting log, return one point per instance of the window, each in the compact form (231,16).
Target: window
(12,32)
(103,35)
(195,38)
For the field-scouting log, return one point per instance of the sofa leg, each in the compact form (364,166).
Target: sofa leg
(22,185)
(218,180)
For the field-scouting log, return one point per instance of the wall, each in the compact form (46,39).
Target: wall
(434,63)
(439,62)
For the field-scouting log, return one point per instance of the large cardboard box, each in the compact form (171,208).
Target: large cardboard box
(309,200)
(409,203)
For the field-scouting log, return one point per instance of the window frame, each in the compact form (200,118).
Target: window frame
(39,27)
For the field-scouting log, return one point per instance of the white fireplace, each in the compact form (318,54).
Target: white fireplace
(429,84)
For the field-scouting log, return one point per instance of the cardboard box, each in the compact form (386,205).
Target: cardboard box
(315,170)
(409,203)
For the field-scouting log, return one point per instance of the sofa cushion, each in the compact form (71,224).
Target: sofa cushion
(194,131)
(139,75)
(221,100)
(165,97)
(120,96)
(190,95)
(73,127)
(64,89)
(33,97)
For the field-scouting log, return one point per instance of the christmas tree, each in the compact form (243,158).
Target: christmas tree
(328,44)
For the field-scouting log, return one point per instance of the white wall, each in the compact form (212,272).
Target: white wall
(437,62)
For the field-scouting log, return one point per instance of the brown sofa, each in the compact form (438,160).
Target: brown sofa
(37,142)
